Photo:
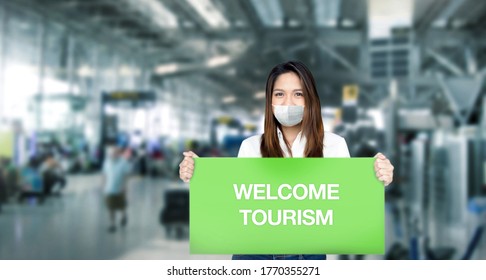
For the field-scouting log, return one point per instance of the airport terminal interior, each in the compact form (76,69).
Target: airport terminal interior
(81,80)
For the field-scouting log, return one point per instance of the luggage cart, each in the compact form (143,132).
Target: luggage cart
(174,215)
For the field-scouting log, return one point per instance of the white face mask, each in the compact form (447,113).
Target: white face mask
(288,115)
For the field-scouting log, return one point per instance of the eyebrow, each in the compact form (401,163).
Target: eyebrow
(277,89)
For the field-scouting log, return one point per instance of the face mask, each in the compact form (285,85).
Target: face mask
(288,115)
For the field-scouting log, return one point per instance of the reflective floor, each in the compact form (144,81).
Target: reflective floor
(74,225)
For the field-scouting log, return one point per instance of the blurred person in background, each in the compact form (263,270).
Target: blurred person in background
(293,128)
(116,169)
(3,185)
(157,159)
(141,155)
(11,176)
(31,184)
(52,175)
(8,180)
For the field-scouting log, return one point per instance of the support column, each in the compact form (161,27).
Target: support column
(70,63)
(92,111)
(41,60)
(3,47)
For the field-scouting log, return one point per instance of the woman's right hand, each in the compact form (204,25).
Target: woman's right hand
(186,167)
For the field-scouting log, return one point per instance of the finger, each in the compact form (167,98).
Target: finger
(190,154)
(189,159)
(384,165)
(186,163)
(375,165)
(185,176)
(188,169)
(380,160)
(382,179)
(187,154)
(386,173)
(378,164)
(385,179)
(380,156)
(383,161)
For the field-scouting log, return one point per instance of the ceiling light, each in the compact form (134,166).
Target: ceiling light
(218,61)
(348,23)
(440,23)
(172,68)
(257,112)
(85,71)
(259,95)
(229,99)
(126,71)
(167,68)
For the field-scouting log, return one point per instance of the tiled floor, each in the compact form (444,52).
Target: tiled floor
(74,225)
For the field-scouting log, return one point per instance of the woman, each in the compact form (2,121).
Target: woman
(293,128)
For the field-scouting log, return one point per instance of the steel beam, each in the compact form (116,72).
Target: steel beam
(471,63)
(444,61)
(462,93)
(338,57)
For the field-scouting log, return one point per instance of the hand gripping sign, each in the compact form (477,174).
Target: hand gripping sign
(286,206)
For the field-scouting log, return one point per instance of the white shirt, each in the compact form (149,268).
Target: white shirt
(334,146)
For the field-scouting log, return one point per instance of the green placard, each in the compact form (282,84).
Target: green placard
(286,206)
(6,144)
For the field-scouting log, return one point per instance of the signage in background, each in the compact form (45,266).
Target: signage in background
(350,103)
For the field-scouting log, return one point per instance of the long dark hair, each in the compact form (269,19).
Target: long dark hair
(312,126)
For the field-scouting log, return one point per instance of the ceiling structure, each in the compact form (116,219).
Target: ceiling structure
(235,43)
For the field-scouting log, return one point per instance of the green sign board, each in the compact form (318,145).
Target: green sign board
(286,206)
(6,144)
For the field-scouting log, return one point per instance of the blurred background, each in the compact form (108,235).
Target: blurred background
(157,77)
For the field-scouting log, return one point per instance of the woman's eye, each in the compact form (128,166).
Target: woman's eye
(278,94)
(299,94)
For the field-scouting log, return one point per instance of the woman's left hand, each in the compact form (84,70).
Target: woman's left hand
(383,169)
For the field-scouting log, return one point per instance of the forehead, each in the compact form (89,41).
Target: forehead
(288,80)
